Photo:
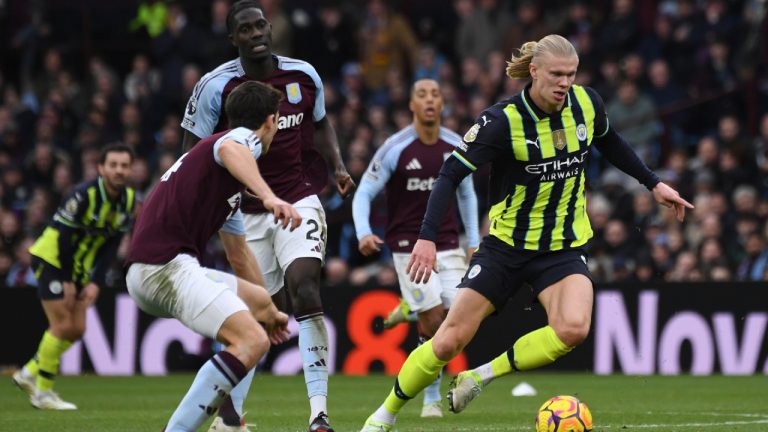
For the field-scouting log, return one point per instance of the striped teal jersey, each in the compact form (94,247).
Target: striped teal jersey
(85,231)
(537,173)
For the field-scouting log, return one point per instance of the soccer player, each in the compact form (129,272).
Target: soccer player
(70,260)
(407,164)
(296,172)
(537,143)
(192,201)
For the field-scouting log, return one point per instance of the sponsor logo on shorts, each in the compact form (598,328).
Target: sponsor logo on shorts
(583,258)
(403,243)
(55,287)
(474,271)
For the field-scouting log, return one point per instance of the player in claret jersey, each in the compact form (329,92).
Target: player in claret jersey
(406,166)
(190,203)
(296,173)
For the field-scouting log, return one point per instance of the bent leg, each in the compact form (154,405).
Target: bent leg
(246,343)
(425,362)
(568,304)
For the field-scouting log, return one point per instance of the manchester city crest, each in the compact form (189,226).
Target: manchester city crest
(293,91)
(581,132)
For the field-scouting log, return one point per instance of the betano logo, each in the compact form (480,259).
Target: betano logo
(417,184)
(289,121)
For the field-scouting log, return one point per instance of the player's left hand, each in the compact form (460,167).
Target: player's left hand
(668,197)
(277,328)
(344,183)
(283,212)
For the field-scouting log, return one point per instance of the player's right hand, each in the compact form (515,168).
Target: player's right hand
(423,261)
(277,328)
(283,212)
(369,244)
(70,293)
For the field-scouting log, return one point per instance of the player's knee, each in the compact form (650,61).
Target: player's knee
(573,332)
(447,345)
(69,330)
(251,345)
(305,294)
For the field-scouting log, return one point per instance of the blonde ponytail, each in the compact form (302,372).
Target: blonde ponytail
(517,66)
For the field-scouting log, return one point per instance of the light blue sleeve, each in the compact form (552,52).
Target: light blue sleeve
(241,136)
(234,224)
(375,178)
(467,200)
(203,108)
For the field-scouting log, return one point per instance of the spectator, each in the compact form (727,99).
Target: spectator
(634,115)
(387,42)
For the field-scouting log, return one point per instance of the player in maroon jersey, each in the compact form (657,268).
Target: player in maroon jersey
(198,196)
(296,173)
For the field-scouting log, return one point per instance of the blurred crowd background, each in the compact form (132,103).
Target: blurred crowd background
(686,82)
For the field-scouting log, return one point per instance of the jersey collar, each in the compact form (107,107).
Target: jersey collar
(536,112)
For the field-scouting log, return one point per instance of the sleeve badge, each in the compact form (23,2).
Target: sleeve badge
(471,134)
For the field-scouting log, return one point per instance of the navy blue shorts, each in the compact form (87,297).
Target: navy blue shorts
(498,271)
(49,280)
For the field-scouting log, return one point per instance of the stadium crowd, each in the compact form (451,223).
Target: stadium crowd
(686,82)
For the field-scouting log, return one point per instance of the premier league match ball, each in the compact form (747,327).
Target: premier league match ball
(563,414)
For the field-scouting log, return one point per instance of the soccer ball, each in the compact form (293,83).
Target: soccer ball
(563,414)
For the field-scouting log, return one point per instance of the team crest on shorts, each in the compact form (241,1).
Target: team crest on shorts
(418,295)
(474,271)
(471,134)
(55,287)
(581,132)
(293,91)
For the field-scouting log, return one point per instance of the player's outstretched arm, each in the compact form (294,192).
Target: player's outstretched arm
(241,257)
(241,164)
(670,198)
(329,148)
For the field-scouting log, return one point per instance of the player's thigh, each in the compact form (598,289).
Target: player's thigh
(469,309)
(494,272)
(85,298)
(201,298)
(563,284)
(452,266)
(306,241)
(419,296)
(260,230)
(569,301)
(240,328)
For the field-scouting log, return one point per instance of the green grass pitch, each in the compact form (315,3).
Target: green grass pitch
(618,403)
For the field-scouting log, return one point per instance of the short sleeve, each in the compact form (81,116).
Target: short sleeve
(485,140)
(203,109)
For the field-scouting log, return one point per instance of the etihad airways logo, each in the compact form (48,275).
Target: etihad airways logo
(558,169)
(289,121)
